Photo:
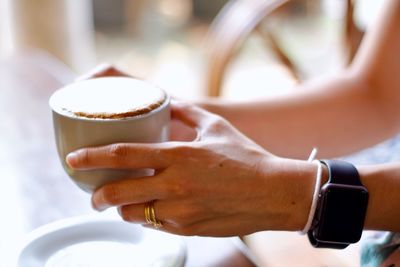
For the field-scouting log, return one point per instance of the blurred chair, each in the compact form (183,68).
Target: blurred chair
(207,9)
(239,19)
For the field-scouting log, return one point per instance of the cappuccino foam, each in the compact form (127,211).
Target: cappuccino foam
(107,98)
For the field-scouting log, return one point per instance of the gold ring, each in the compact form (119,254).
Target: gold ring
(150,215)
(147,213)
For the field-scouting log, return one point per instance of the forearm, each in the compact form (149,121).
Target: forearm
(338,116)
(383,184)
(352,111)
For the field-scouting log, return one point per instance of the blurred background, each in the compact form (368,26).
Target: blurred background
(236,49)
(165,41)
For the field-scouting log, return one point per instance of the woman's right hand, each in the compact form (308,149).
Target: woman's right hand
(220,184)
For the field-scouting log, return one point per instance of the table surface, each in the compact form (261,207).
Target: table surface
(35,190)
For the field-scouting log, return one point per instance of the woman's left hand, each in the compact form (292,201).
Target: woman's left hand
(220,184)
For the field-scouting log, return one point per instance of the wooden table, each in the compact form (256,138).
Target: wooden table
(34,189)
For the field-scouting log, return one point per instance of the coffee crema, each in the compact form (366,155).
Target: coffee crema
(107,98)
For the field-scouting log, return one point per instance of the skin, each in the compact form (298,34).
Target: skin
(229,180)
(207,186)
(353,110)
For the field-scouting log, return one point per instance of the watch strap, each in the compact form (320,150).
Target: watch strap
(342,172)
(321,244)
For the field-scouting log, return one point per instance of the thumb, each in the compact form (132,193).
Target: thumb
(190,115)
(103,70)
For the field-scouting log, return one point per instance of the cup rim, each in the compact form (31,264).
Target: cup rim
(164,104)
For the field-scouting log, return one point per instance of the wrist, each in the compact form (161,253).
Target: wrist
(299,178)
(380,180)
(382,184)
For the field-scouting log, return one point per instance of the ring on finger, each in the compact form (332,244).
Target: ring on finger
(150,215)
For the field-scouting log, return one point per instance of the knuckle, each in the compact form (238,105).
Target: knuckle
(178,151)
(177,189)
(110,195)
(117,151)
(84,157)
(110,68)
(188,186)
(217,123)
(186,216)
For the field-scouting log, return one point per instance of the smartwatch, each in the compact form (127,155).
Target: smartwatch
(341,209)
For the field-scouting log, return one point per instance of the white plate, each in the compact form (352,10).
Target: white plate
(100,241)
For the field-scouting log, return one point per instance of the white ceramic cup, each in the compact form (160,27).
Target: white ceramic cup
(73,132)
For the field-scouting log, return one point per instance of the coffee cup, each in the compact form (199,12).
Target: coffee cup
(105,111)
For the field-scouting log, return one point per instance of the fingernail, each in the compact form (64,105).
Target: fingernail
(98,202)
(119,209)
(71,159)
(101,208)
(98,208)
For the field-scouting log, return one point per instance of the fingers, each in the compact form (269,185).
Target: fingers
(131,156)
(131,191)
(224,226)
(103,70)
(135,213)
(191,115)
(122,155)
(169,212)
(186,223)
(181,132)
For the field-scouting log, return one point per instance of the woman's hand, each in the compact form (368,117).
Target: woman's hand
(220,184)
(104,70)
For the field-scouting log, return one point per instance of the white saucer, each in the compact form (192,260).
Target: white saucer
(98,240)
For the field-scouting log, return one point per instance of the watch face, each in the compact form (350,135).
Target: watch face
(342,213)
